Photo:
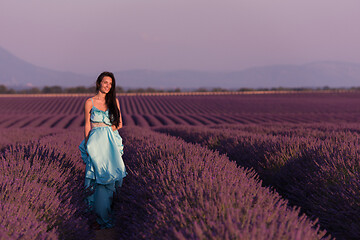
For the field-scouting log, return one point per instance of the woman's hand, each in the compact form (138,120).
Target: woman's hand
(113,128)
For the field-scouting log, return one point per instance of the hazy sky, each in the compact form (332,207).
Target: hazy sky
(88,36)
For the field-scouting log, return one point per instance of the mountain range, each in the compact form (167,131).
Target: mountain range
(17,73)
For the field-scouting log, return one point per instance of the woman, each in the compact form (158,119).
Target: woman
(102,148)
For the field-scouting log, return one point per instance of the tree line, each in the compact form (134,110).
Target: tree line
(82,89)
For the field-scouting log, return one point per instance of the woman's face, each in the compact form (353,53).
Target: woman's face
(105,84)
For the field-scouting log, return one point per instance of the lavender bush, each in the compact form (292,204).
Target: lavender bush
(314,166)
(41,194)
(18,222)
(21,135)
(184,191)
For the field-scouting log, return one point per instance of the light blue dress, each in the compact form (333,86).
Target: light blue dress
(105,167)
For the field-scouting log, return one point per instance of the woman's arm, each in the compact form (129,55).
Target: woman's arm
(87,128)
(120,120)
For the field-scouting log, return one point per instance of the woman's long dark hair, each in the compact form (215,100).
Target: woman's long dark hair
(110,98)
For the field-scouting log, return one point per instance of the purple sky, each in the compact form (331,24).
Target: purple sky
(89,36)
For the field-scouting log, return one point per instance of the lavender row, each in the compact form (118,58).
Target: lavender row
(318,130)
(315,167)
(41,192)
(184,191)
(151,111)
(11,136)
(196,104)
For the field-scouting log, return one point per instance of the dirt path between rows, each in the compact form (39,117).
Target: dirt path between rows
(105,234)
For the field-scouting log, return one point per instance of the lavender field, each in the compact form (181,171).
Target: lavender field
(269,166)
(151,111)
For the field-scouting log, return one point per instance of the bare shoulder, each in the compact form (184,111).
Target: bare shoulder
(88,103)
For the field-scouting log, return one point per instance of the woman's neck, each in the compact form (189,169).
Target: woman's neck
(100,96)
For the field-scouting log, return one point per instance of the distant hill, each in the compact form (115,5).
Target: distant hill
(15,72)
(318,74)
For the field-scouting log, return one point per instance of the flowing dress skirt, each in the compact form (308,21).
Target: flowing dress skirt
(104,170)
